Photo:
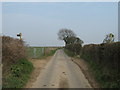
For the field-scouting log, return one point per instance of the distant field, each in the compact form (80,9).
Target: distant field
(39,52)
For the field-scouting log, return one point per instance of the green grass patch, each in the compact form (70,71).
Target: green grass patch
(52,52)
(19,74)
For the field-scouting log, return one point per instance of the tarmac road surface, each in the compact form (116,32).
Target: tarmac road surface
(61,72)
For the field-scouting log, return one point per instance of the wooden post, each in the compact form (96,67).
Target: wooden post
(20,35)
(34,52)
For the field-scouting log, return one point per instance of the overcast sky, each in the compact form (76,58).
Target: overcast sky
(40,22)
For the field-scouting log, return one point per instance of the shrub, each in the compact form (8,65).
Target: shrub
(16,68)
(12,51)
(105,60)
(75,48)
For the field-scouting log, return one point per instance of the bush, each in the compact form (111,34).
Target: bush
(12,51)
(104,59)
(75,48)
(16,69)
(69,53)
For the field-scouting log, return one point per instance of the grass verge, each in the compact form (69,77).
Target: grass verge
(52,52)
(19,74)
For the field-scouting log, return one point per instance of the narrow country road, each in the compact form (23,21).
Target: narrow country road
(61,72)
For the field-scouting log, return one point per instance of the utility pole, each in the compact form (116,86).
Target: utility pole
(19,35)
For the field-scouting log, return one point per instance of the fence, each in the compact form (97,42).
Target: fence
(36,52)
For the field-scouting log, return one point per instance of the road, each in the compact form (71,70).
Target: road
(61,72)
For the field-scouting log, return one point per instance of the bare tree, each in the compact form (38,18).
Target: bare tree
(64,34)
